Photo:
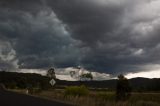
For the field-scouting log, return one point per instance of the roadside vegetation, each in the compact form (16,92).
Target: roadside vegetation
(101,98)
(76,91)
(85,93)
(82,96)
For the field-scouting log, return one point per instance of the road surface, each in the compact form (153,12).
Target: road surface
(14,99)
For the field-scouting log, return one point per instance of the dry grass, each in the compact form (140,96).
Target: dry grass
(102,98)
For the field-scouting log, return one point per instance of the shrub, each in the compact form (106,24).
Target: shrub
(76,91)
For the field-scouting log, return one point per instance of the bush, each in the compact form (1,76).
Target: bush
(76,91)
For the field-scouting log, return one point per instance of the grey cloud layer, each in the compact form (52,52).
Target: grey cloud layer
(113,36)
(39,39)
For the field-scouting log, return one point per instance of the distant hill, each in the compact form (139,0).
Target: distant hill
(24,80)
(145,84)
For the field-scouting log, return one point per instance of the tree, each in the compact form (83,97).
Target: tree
(87,76)
(51,73)
(123,89)
(72,73)
(81,75)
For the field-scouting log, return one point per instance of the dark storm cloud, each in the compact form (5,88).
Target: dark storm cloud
(112,31)
(113,36)
(39,39)
(87,20)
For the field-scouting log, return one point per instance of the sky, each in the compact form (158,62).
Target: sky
(108,37)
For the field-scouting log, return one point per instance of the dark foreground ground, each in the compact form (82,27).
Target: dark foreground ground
(14,99)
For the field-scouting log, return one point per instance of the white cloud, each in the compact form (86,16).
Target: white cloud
(38,71)
(150,74)
(100,76)
(6,51)
(8,56)
(64,73)
(66,77)
(138,52)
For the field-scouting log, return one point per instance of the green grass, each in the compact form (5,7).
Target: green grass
(76,91)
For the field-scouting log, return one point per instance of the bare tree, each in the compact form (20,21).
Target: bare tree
(81,75)
(86,76)
(51,73)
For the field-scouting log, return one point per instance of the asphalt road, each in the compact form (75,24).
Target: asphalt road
(14,99)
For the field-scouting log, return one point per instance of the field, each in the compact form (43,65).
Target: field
(100,98)
(145,92)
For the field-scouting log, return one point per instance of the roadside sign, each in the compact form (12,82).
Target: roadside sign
(52,82)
